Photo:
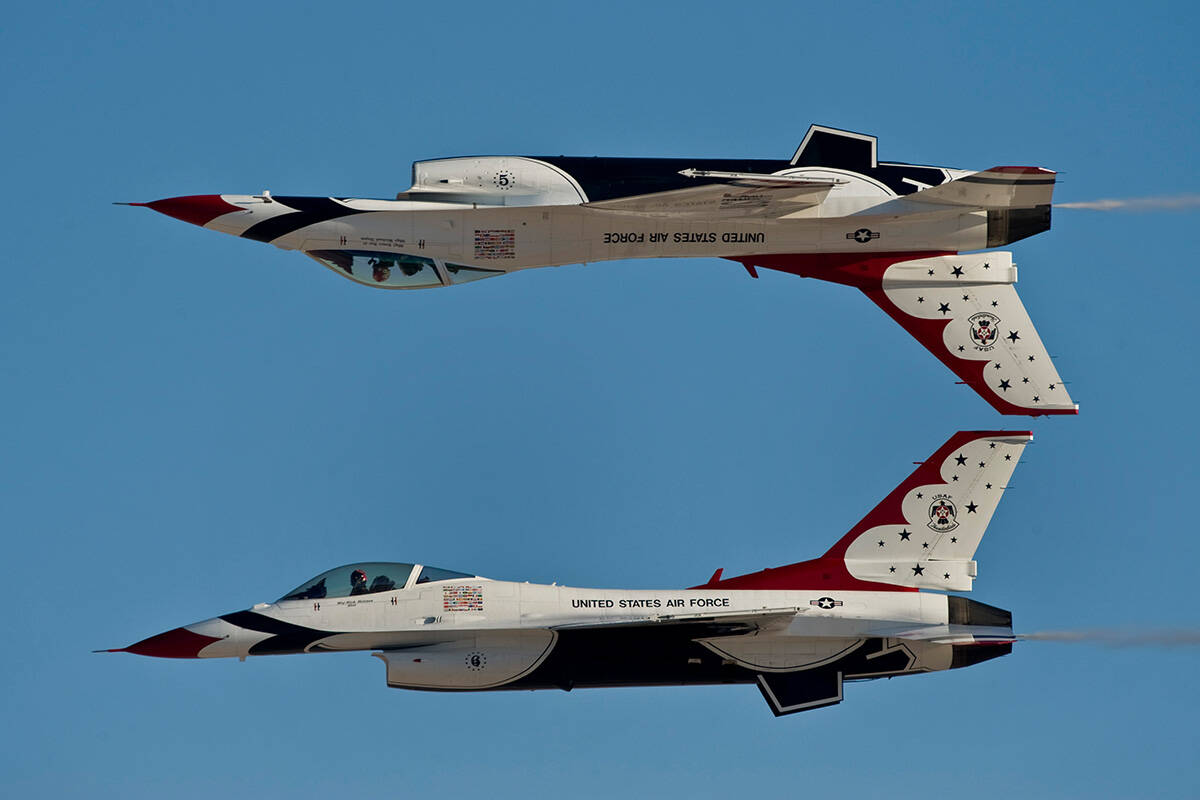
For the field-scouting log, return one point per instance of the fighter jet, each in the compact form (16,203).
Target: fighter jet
(874,605)
(832,212)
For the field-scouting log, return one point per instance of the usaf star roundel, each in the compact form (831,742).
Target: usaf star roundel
(943,515)
(984,329)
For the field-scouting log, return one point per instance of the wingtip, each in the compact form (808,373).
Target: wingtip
(112,650)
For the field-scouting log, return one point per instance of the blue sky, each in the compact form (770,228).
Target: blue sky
(196,423)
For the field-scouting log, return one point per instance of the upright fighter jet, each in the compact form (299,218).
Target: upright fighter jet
(873,606)
(832,212)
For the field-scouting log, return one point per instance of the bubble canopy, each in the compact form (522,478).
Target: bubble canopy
(367,577)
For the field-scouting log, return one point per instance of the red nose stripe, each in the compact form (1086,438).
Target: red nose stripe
(198,209)
(179,643)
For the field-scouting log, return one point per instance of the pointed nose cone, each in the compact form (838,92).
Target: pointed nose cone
(178,643)
(198,209)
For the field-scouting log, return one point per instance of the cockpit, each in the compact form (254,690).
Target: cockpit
(369,577)
(398,270)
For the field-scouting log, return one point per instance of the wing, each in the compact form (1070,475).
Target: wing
(703,625)
(735,195)
(964,310)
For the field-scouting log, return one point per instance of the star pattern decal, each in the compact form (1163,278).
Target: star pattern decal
(944,308)
(961,348)
(924,545)
(1012,337)
(946,576)
(919,495)
(918,570)
(956,272)
(982,465)
(931,273)
(987,265)
(891,569)
(971,508)
(1004,385)
(960,459)
(1024,380)
(953,540)
(994,304)
(1031,358)
(991,445)
(1007,458)
(987,486)
(881,542)
(920,299)
(1036,398)
(965,297)
(904,534)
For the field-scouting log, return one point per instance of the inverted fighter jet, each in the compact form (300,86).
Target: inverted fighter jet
(875,605)
(832,212)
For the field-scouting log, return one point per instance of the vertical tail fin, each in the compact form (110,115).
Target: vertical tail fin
(924,534)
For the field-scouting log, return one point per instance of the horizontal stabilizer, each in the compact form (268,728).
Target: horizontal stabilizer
(998,187)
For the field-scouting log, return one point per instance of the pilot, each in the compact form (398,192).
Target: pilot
(358,582)
(381,273)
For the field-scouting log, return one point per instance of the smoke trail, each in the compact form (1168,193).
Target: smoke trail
(1115,637)
(1177,202)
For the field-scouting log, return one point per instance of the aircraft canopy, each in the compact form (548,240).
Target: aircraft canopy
(367,577)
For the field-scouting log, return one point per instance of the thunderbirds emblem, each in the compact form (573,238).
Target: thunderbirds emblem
(984,327)
(942,514)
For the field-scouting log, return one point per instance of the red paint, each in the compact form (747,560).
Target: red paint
(829,571)
(177,643)
(198,209)
(866,274)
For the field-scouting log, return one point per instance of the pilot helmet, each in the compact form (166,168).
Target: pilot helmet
(358,576)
